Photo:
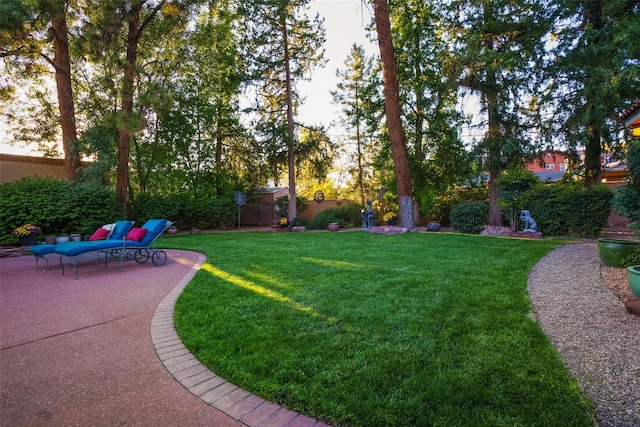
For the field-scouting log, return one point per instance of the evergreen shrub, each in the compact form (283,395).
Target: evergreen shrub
(446,201)
(345,216)
(469,217)
(300,222)
(187,211)
(57,206)
(626,199)
(568,208)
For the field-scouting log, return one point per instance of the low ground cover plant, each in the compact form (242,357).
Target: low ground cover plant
(360,330)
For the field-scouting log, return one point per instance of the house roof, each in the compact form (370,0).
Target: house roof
(629,111)
(35,160)
(631,116)
(273,190)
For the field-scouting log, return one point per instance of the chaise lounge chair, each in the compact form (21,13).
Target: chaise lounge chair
(103,233)
(123,242)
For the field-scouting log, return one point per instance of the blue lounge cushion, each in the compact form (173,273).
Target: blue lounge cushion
(43,249)
(120,230)
(107,244)
(74,248)
(154,228)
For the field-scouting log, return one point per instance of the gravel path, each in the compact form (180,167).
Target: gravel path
(597,339)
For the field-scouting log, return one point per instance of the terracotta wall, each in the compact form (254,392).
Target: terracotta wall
(314,208)
(260,212)
(14,167)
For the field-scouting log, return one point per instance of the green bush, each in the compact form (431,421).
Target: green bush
(446,201)
(512,185)
(187,211)
(469,217)
(626,199)
(57,206)
(300,222)
(345,216)
(569,208)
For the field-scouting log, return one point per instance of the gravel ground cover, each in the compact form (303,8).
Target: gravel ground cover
(580,307)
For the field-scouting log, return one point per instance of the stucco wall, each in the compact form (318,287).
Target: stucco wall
(14,167)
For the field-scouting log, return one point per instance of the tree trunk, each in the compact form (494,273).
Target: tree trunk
(125,131)
(65,95)
(291,140)
(359,150)
(392,110)
(219,140)
(593,148)
(592,160)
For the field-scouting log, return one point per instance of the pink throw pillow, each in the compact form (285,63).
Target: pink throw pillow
(136,234)
(100,234)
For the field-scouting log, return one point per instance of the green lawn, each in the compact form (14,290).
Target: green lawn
(428,329)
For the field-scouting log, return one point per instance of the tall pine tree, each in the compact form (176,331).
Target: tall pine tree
(282,46)
(356,94)
(596,75)
(498,44)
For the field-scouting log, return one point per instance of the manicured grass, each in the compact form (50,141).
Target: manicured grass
(356,329)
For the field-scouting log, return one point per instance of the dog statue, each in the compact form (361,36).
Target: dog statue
(530,225)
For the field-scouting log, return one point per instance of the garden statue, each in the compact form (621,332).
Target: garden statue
(530,225)
(368,217)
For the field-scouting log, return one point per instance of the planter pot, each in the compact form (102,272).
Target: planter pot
(634,279)
(334,226)
(75,237)
(50,240)
(613,251)
(62,239)
(29,241)
(433,226)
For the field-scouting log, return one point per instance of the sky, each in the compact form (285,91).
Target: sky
(344,22)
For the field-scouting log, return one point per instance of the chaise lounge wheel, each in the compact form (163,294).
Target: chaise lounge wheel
(115,253)
(159,258)
(142,256)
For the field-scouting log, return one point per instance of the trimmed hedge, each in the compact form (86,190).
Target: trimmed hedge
(570,209)
(57,206)
(187,211)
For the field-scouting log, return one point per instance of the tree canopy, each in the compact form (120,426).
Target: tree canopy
(201,97)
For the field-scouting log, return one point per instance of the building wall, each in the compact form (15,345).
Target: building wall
(260,212)
(315,208)
(259,209)
(552,161)
(13,167)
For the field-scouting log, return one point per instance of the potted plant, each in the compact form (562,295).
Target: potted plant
(634,279)
(617,252)
(433,225)
(27,233)
(283,222)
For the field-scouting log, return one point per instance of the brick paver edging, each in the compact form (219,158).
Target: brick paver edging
(217,392)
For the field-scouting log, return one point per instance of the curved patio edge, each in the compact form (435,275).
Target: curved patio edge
(215,391)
